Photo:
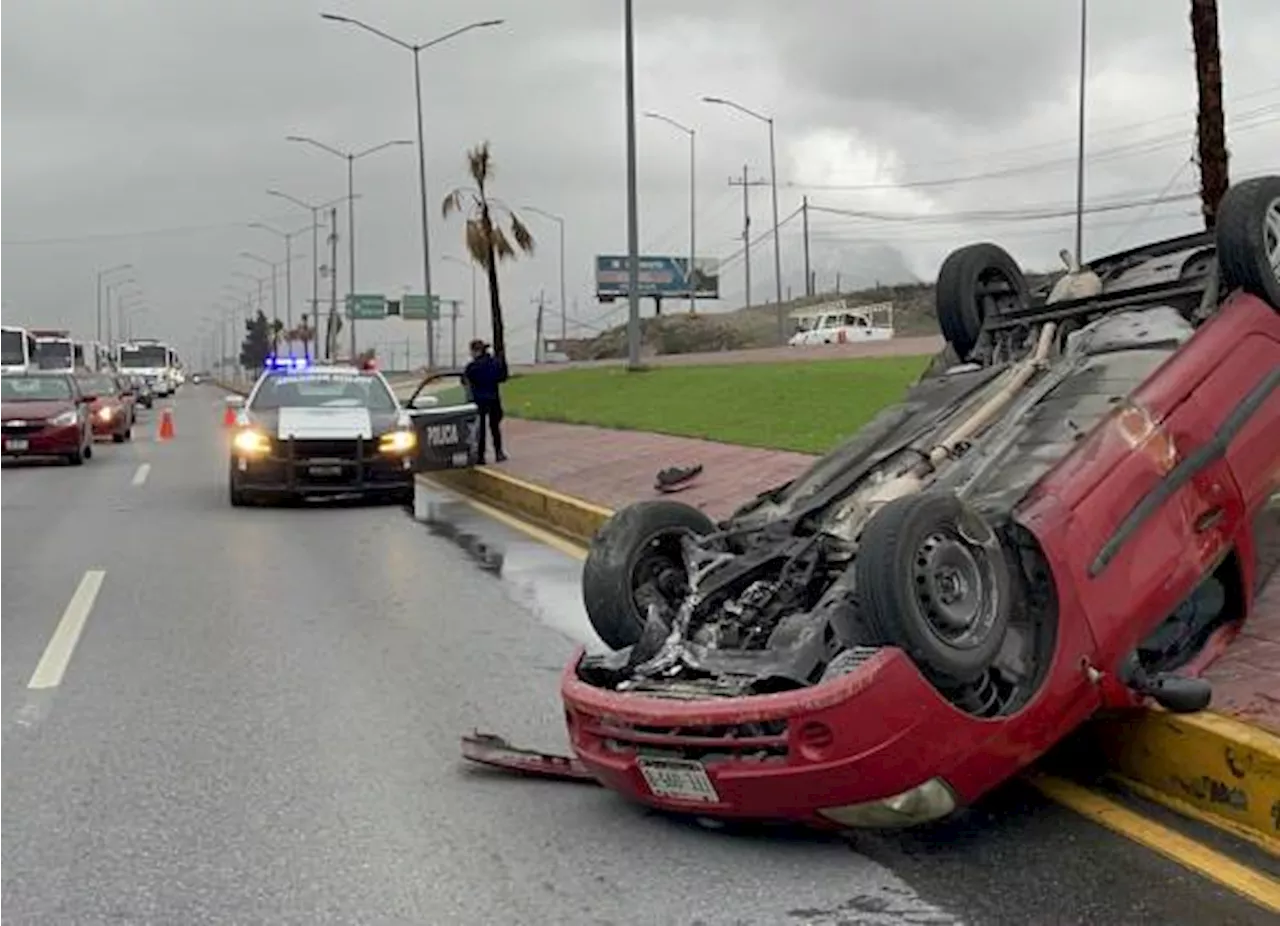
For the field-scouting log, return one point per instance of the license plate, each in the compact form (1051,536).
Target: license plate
(15,444)
(325,470)
(680,779)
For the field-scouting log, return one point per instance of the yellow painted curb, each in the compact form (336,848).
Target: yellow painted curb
(1220,767)
(567,516)
(1206,765)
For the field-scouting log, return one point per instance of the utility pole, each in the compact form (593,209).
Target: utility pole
(808,279)
(537,328)
(453,334)
(331,336)
(746,185)
(1084,79)
(633,209)
(1210,123)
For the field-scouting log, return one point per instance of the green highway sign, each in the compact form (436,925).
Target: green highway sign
(415,307)
(367,306)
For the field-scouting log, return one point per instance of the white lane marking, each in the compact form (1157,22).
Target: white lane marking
(141,475)
(62,644)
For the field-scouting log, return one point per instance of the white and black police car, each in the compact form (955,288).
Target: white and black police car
(338,430)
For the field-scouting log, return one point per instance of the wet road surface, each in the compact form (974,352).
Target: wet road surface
(259,724)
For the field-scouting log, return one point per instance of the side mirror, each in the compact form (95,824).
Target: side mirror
(425,401)
(88,398)
(235,401)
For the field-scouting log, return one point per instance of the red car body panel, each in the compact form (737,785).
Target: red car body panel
(884,728)
(42,440)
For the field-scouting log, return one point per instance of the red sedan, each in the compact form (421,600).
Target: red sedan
(111,408)
(44,415)
(1074,510)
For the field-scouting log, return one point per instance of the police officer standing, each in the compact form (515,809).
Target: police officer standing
(483,377)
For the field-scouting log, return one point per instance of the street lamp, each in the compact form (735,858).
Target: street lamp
(693,306)
(315,244)
(110,288)
(633,218)
(422,148)
(101,275)
(472,265)
(564,307)
(351,157)
(773,183)
(288,270)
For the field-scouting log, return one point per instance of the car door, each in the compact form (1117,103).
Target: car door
(446,422)
(1242,396)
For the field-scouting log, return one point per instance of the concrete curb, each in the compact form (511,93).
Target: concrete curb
(1206,766)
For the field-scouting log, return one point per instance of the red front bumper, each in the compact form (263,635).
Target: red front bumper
(46,442)
(869,735)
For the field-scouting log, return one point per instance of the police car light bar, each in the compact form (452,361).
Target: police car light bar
(285,363)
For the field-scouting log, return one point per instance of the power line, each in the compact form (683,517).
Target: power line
(143,233)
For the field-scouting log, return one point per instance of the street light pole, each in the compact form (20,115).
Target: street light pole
(693,208)
(773,183)
(288,273)
(564,308)
(315,209)
(101,274)
(633,218)
(110,288)
(416,48)
(350,157)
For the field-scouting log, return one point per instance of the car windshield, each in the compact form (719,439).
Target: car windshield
(144,357)
(35,388)
(323,390)
(99,385)
(54,354)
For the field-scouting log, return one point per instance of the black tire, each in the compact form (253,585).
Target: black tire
(902,553)
(88,450)
(1248,238)
(77,458)
(236,496)
(119,437)
(623,557)
(975,282)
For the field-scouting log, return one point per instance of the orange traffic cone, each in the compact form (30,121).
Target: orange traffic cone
(229,417)
(166,424)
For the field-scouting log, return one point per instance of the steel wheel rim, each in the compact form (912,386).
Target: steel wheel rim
(1271,235)
(955,589)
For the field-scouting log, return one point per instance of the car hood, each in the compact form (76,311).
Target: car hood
(324,423)
(23,410)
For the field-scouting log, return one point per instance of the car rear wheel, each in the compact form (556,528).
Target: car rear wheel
(933,580)
(1248,238)
(120,437)
(236,496)
(976,282)
(636,555)
(77,458)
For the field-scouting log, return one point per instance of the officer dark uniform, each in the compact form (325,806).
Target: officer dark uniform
(483,376)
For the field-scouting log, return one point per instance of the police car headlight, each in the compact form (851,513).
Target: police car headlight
(250,441)
(397,441)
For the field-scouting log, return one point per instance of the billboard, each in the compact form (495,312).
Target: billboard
(659,276)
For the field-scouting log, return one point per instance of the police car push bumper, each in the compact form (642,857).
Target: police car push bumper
(323,451)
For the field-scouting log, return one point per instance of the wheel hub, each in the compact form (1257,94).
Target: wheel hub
(1271,235)
(954,589)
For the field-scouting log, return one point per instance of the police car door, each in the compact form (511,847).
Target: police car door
(447,423)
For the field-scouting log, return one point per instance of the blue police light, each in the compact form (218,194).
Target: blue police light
(285,363)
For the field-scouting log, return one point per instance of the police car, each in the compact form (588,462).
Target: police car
(335,430)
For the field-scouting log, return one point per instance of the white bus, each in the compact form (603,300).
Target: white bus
(150,359)
(55,350)
(18,349)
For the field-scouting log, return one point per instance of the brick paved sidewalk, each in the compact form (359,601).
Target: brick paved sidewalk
(615,468)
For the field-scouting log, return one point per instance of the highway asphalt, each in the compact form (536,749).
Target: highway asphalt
(259,724)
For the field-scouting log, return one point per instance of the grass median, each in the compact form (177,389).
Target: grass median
(807,407)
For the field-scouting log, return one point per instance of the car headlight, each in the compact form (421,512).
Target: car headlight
(66,419)
(398,441)
(105,413)
(250,441)
(929,801)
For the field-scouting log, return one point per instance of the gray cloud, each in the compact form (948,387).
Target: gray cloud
(148,131)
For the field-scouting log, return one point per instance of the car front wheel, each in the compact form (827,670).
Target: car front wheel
(635,556)
(934,581)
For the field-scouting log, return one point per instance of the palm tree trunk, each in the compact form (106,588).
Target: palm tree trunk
(1211,130)
(495,299)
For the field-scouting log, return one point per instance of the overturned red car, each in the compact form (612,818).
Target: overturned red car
(1073,510)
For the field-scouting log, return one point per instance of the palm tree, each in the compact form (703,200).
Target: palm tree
(488,242)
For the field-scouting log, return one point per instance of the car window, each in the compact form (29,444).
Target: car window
(35,388)
(98,385)
(323,390)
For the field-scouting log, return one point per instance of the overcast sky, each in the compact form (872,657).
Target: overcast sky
(147,131)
